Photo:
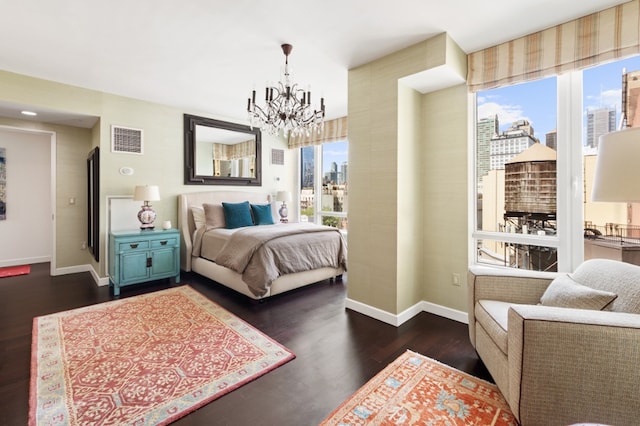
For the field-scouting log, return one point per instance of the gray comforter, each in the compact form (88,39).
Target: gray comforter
(263,253)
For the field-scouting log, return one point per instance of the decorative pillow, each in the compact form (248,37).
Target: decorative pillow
(566,293)
(262,214)
(237,215)
(198,216)
(214,214)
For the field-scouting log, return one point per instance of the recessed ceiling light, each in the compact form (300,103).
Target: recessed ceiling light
(30,113)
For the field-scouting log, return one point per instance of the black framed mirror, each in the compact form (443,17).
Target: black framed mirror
(221,153)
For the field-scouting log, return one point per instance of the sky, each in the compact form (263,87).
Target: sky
(536,101)
(334,152)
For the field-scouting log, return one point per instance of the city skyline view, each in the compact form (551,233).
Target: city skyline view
(536,103)
(335,152)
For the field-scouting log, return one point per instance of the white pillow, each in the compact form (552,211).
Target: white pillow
(198,216)
(566,293)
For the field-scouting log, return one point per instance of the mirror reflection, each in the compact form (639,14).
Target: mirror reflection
(220,153)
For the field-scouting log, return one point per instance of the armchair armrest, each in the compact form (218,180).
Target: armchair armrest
(573,365)
(514,287)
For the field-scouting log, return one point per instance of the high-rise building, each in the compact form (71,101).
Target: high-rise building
(551,139)
(599,122)
(308,167)
(510,143)
(487,129)
(343,173)
(631,98)
(332,175)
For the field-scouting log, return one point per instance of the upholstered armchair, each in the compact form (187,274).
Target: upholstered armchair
(562,350)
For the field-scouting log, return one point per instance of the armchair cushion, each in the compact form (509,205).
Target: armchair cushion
(563,292)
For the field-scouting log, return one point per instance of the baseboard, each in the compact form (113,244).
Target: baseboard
(371,311)
(25,261)
(446,312)
(404,316)
(83,268)
(73,270)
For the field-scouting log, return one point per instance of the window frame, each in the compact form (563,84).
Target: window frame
(317,182)
(569,216)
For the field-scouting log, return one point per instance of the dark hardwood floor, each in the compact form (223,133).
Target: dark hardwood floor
(337,350)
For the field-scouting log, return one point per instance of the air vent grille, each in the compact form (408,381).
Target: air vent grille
(277,157)
(126,139)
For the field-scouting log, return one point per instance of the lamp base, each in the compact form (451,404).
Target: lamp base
(283,212)
(147,216)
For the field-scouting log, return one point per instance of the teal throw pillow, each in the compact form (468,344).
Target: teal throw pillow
(237,215)
(262,214)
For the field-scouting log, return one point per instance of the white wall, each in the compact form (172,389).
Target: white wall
(26,234)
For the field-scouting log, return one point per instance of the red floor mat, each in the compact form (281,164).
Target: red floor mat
(10,271)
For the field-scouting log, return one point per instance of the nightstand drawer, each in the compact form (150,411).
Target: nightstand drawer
(132,245)
(165,242)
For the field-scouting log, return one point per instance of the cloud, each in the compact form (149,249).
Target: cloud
(507,114)
(611,98)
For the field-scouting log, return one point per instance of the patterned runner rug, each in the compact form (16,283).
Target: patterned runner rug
(144,360)
(416,390)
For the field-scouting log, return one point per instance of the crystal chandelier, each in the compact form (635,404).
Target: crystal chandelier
(287,107)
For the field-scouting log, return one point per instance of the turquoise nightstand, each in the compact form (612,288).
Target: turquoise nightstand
(139,256)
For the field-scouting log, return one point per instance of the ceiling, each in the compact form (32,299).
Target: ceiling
(205,56)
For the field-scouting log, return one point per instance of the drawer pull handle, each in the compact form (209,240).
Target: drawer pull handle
(163,243)
(133,245)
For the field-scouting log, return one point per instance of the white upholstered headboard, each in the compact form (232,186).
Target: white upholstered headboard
(185,218)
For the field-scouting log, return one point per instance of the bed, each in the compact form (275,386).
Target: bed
(257,261)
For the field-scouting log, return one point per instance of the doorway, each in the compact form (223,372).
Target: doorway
(28,229)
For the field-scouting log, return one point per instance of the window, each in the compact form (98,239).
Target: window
(516,175)
(324,196)
(533,187)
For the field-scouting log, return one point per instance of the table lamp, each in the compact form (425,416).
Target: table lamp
(617,174)
(283,196)
(146,215)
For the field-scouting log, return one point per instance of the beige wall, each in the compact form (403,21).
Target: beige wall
(445,202)
(409,189)
(161,164)
(407,181)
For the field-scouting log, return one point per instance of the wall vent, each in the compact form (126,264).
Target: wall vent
(126,140)
(277,157)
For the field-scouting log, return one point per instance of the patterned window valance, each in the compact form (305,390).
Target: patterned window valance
(334,130)
(235,151)
(603,36)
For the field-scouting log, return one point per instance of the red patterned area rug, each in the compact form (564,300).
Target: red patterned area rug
(144,360)
(416,390)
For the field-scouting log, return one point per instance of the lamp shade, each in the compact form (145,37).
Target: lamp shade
(146,193)
(617,173)
(284,196)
